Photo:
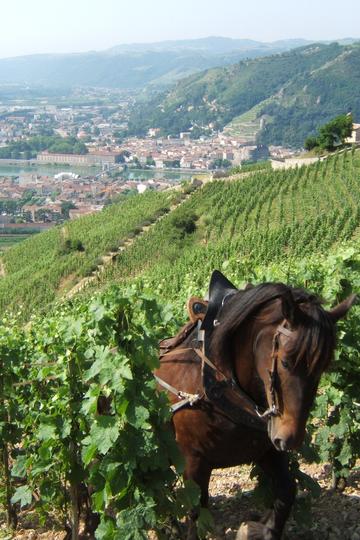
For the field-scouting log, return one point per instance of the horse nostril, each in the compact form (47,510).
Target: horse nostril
(280,444)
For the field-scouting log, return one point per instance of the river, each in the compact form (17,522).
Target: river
(128,174)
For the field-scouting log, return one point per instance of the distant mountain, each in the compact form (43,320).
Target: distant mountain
(286,95)
(213,45)
(137,65)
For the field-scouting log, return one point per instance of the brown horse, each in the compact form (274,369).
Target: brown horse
(246,390)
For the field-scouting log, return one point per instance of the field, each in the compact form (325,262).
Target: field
(10,235)
(300,227)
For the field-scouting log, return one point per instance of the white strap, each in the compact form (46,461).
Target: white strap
(186,397)
(282,330)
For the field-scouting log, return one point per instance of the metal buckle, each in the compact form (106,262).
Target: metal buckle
(271,411)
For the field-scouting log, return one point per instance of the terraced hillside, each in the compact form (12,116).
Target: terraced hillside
(241,223)
(44,267)
(257,220)
(290,94)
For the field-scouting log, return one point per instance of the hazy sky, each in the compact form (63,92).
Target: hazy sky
(34,26)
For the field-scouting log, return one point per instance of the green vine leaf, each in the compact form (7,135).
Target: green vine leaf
(104,432)
(23,495)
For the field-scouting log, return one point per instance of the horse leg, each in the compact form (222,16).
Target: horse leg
(276,465)
(199,471)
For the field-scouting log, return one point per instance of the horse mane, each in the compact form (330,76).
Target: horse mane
(315,331)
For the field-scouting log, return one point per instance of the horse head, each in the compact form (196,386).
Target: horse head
(277,341)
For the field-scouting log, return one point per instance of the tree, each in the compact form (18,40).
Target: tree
(184,224)
(121,157)
(332,134)
(172,163)
(311,142)
(150,161)
(335,132)
(220,164)
(65,207)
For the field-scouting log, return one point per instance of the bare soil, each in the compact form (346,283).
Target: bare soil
(335,515)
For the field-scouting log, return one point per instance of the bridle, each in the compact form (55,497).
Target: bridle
(273,409)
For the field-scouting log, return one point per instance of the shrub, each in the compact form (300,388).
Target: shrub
(69,246)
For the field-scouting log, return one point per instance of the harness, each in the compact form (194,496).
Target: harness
(226,393)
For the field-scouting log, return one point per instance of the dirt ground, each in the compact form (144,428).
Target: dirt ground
(335,515)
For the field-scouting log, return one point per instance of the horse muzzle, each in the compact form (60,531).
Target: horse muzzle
(283,436)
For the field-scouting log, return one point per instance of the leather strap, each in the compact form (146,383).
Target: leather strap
(186,398)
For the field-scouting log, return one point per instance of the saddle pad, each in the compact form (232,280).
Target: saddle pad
(196,308)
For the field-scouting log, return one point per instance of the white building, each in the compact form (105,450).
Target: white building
(355,135)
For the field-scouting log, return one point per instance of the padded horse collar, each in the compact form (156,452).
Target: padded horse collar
(227,394)
(220,289)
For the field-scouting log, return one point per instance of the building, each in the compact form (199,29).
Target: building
(355,135)
(71,159)
(103,157)
(92,158)
(66,176)
(185,135)
(85,210)
(153,132)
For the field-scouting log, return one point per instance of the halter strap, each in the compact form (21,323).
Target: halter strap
(273,410)
(281,329)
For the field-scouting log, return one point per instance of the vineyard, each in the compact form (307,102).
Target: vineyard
(79,415)
(42,268)
(78,408)
(240,225)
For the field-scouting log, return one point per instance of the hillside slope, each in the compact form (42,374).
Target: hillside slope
(324,76)
(78,381)
(44,267)
(256,220)
(312,99)
(270,217)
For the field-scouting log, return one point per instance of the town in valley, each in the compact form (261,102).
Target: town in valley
(40,187)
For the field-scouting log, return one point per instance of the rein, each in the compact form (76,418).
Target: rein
(214,388)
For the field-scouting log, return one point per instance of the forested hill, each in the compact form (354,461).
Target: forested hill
(293,92)
(134,66)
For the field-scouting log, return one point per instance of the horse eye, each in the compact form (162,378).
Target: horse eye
(285,364)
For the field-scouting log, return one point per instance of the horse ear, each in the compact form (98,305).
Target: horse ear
(339,311)
(289,308)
